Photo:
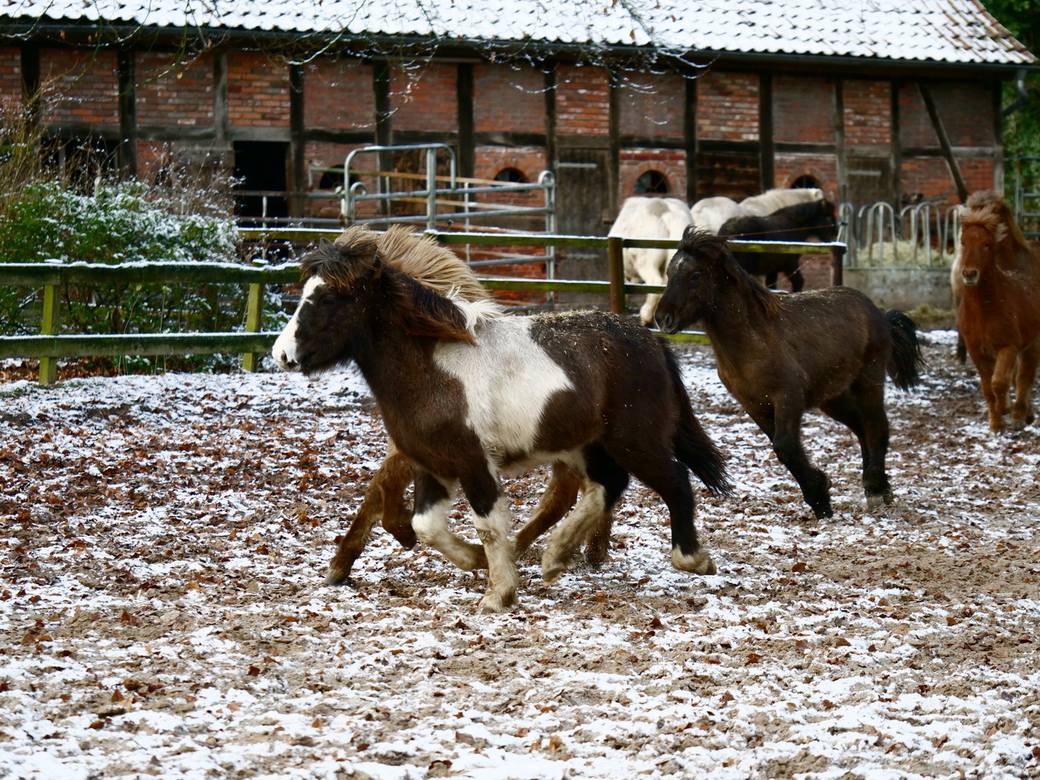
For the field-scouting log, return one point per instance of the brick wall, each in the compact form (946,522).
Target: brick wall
(961,107)
(727,106)
(258,91)
(174,92)
(670,162)
(652,105)
(10,75)
(338,94)
(425,98)
(582,100)
(803,109)
(930,177)
(81,86)
(868,113)
(508,99)
(823,168)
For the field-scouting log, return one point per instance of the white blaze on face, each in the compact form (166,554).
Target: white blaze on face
(507,379)
(284,349)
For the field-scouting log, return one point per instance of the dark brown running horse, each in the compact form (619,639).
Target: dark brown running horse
(998,314)
(783,354)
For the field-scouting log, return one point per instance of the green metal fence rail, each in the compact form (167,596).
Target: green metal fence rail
(252,342)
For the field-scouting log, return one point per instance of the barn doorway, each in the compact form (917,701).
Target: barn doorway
(260,169)
(582,204)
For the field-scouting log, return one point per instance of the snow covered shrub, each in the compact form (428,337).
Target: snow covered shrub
(120,224)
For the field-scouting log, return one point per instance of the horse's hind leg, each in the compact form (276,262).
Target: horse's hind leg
(603,486)
(559,496)
(384,498)
(670,479)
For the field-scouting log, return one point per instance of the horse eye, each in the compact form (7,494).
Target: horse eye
(695,276)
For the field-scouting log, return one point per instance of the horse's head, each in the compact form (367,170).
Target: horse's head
(825,222)
(339,283)
(352,298)
(984,228)
(700,274)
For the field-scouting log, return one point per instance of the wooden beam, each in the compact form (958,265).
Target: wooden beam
(944,140)
(126,67)
(464,98)
(690,138)
(766,134)
(297,179)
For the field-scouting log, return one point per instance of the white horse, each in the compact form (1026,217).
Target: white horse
(712,213)
(643,217)
(648,217)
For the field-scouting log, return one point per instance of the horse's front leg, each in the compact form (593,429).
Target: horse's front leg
(986,367)
(785,431)
(430,521)
(1003,372)
(492,519)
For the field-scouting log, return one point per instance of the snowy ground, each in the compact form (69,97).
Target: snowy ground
(163,542)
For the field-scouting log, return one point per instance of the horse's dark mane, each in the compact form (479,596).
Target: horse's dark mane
(697,242)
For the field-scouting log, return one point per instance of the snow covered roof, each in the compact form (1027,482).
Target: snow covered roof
(946,31)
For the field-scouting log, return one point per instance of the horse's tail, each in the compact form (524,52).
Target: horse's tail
(904,366)
(692,444)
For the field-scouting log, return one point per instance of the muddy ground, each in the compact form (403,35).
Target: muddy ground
(163,543)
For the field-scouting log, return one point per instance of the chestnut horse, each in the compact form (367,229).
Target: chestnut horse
(468,394)
(998,314)
(780,355)
(384,498)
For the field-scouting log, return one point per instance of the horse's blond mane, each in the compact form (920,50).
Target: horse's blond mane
(420,256)
(417,256)
(989,211)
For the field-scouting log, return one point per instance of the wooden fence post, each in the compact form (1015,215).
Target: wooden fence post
(50,323)
(254,317)
(616,271)
(838,266)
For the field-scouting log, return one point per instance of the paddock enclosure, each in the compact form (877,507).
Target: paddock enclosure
(164,540)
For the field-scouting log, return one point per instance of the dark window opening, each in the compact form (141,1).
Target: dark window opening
(260,172)
(511,175)
(652,183)
(805,182)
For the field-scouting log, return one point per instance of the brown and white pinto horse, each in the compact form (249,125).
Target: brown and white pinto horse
(384,500)
(998,313)
(469,395)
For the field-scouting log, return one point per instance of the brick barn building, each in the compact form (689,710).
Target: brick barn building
(886,100)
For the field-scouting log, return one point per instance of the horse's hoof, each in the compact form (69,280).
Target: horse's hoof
(698,563)
(1017,425)
(877,500)
(336,578)
(494,604)
(551,573)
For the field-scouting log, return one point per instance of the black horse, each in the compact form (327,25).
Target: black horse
(801,222)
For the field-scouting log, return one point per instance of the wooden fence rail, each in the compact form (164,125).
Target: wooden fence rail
(252,342)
